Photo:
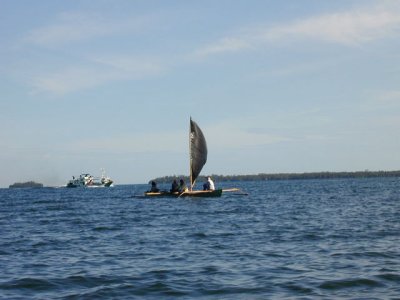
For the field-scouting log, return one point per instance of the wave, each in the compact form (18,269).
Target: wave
(349,283)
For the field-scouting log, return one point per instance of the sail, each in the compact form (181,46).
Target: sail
(198,151)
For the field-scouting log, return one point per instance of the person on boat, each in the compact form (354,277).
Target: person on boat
(182,186)
(206,185)
(154,188)
(174,187)
(209,185)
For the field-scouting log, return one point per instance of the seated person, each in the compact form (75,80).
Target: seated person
(182,186)
(206,186)
(209,185)
(154,188)
(174,187)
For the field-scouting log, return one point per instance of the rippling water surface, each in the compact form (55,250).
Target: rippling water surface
(286,239)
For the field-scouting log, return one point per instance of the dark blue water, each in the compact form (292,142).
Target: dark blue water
(307,239)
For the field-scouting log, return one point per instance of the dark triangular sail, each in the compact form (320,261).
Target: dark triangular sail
(198,151)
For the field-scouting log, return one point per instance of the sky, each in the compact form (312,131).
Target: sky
(276,86)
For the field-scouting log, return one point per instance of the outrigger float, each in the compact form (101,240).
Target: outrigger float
(198,158)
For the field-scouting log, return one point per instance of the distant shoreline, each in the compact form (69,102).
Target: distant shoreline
(288,176)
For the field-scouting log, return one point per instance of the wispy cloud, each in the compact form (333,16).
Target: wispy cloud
(80,26)
(129,66)
(68,80)
(222,46)
(386,102)
(349,28)
(97,71)
(93,69)
(236,136)
(390,97)
(135,143)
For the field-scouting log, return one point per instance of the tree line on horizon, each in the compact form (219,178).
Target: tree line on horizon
(284,176)
(27,184)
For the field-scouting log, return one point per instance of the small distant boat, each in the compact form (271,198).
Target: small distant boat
(198,158)
(87,180)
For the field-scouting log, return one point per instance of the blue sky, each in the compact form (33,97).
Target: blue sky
(276,86)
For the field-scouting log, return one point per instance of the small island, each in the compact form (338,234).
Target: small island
(28,184)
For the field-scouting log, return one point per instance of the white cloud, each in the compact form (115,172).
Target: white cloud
(386,102)
(131,67)
(235,136)
(69,80)
(93,69)
(97,72)
(222,46)
(75,27)
(349,28)
(69,27)
(129,144)
(390,97)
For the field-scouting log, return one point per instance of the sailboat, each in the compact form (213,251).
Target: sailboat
(197,159)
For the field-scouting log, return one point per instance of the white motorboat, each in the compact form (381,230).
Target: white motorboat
(87,180)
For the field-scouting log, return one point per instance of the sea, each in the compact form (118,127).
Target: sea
(288,239)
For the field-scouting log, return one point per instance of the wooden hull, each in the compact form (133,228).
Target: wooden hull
(204,194)
(215,193)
